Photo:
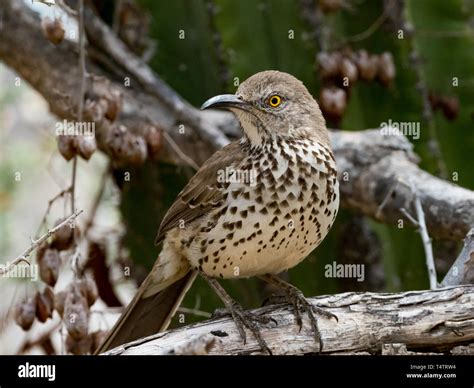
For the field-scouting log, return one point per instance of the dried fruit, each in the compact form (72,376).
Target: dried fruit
(25,313)
(78,346)
(114,104)
(333,102)
(153,140)
(330,5)
(348,69)
(97,338)
(136,149)
(450,107)
(386,69)
(53,30)
(367,65)
(89,290)
(76,313)
(67,146)
(86,146)
(328,64)
(59,301)
(44,305)
(64,236)
(49,265)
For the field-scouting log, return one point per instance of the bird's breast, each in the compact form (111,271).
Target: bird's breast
(280,204)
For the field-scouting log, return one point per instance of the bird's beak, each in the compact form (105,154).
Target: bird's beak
(224,101)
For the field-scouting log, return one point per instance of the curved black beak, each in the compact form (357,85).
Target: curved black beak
(224,101)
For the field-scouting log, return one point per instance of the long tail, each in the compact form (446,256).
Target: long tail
(148,313)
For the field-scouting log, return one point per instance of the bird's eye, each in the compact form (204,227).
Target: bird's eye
(274,101)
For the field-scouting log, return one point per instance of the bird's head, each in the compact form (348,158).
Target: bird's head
(273,103)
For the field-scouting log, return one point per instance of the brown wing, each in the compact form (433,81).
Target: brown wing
(203,192)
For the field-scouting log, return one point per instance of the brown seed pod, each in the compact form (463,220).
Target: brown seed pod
(67,146)
(386,69)
(328,64)
(98,337)
(49,265)
(53,30)
(450,107)
(94,110)
(25,313)
(153,140)
(59,301)
(136,149)
(114,104)
(348,69)
(86,146)
(366,65)
(76,313)
(64,237)
(89,290)
(328,6)
(333,102)
(44,306)
(78,346)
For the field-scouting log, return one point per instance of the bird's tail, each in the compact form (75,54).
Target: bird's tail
(153,306)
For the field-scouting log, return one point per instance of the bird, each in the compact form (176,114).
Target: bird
(255,208)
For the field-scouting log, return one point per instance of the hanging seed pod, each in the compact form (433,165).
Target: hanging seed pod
(98,337)
(366,65)
(78,347)
(328,64)
(94,110)
(136,150)
(153,140)
(59,301)
(89,290)
(44,306)
(450,107)
(348,69)
(386,69)
(67,146)
(49,265)
(76,313)
(114,104)
(25,313)
(333,102)
(53,30)
(86,146)
(64,237)
(328,6)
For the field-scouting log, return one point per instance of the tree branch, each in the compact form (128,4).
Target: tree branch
(428,321)
(369,163)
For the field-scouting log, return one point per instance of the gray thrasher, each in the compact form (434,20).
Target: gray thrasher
(257,207)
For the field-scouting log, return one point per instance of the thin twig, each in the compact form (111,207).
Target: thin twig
(385,200)
(373,27)
(50,204)
(409,217)
(198,313)
(180,153)
(36,243)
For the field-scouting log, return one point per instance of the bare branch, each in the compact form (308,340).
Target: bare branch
(462,271)
(434,321)
(36,243)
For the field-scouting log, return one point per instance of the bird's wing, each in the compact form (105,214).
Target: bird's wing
(203,192)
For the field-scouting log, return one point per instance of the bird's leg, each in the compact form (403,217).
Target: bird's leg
(243,319)
(300,304)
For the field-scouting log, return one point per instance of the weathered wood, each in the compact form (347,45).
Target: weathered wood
(427,321)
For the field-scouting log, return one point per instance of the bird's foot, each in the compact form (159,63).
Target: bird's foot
(245,319)
(300,306)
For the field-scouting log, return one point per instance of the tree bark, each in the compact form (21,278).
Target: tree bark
(370,165)
(368,323)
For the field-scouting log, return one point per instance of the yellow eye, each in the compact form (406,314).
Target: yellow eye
(274,101)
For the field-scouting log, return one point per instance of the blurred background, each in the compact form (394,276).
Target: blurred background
(367,63)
